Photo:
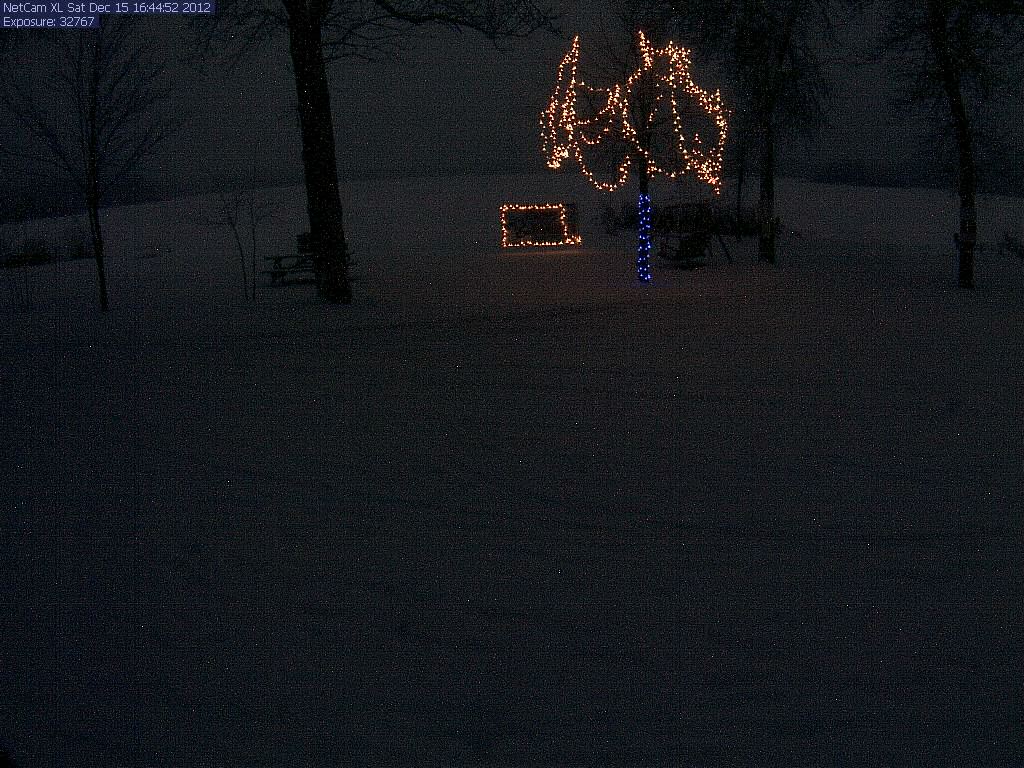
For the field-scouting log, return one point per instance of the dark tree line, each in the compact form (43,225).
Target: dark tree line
(769,52)
(956,57)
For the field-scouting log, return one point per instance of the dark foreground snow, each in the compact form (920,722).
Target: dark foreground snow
(510,509)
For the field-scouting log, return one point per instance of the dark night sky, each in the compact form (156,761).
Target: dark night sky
(454,104)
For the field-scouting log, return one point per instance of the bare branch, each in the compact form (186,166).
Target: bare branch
(115,92)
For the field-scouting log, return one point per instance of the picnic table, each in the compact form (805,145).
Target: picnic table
(292,267)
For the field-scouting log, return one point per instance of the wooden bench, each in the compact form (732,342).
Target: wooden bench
(292,267)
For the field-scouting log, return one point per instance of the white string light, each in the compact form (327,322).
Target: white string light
(566,134)
(568,236)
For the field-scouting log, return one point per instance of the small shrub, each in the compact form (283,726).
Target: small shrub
(34,250)
(72,243)
(1012,245)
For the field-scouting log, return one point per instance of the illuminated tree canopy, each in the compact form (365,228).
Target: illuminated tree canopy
(658,120)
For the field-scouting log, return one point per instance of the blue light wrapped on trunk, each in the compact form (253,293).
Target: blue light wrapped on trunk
(643,248)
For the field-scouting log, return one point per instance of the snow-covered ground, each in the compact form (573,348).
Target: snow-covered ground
(509,508)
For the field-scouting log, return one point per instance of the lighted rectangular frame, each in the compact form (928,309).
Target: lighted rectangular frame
(568,237)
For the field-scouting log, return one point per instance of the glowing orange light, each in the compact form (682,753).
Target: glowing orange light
(565,134)
(568,236)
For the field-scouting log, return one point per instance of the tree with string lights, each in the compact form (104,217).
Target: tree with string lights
(657,122)
(322,32)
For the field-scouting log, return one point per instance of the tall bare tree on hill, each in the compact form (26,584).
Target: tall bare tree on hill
(104,108)
(956,58)
(770,51)
(321,32)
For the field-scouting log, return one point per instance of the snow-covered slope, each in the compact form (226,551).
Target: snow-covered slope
(510,508)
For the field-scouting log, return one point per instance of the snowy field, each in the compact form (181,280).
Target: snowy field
(510,509)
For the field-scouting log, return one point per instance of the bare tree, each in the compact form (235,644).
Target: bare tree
(104,108)
(956,57)
(320,32)
(619,56)
(770,52)
(242,213)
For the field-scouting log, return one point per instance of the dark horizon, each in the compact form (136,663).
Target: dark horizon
(422,114)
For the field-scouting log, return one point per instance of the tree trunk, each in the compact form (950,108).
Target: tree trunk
(92,161)
(967,175)
(741,173)
(643,229)
(323,200)
(967,189)
(252,235)
(93,204)
(92,175)
(766,200)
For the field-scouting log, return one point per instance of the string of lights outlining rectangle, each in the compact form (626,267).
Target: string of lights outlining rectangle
(569,237)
